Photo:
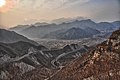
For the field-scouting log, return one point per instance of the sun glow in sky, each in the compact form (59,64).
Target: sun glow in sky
(15,12)
(2,3)
(7,5)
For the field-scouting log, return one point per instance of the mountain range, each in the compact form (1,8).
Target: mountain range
(48,30)
(67,20)
(72,33)
(18,53)
(24,59)
(101,62)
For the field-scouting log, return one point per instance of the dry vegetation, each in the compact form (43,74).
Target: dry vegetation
(103,63)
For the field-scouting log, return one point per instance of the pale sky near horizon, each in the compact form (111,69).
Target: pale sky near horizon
(20,11)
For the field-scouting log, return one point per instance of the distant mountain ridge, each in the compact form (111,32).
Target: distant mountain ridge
(73,33)
(105,26)
(116,24)
(40,31)
(67,20)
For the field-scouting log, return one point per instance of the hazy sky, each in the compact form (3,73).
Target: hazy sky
(24,11)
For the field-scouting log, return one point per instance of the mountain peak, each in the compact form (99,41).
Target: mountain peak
(87,20)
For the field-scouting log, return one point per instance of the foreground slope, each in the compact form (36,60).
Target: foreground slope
(18,58)
(102,63)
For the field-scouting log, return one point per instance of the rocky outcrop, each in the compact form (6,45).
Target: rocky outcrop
(101,63)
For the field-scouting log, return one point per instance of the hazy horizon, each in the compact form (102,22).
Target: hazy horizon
(16,12)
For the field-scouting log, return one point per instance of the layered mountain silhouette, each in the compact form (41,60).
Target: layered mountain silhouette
(73,33)
(11,37)
(66,20)
(39,31)
(19,28)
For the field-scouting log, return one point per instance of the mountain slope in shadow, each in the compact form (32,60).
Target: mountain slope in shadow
(11,37)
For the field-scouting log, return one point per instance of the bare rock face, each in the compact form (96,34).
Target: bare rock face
(101,63)
(14,69)
(36,74)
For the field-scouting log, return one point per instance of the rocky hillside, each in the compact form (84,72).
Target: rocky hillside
(20,47)
(18,58)
(101,63)
(24,57)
